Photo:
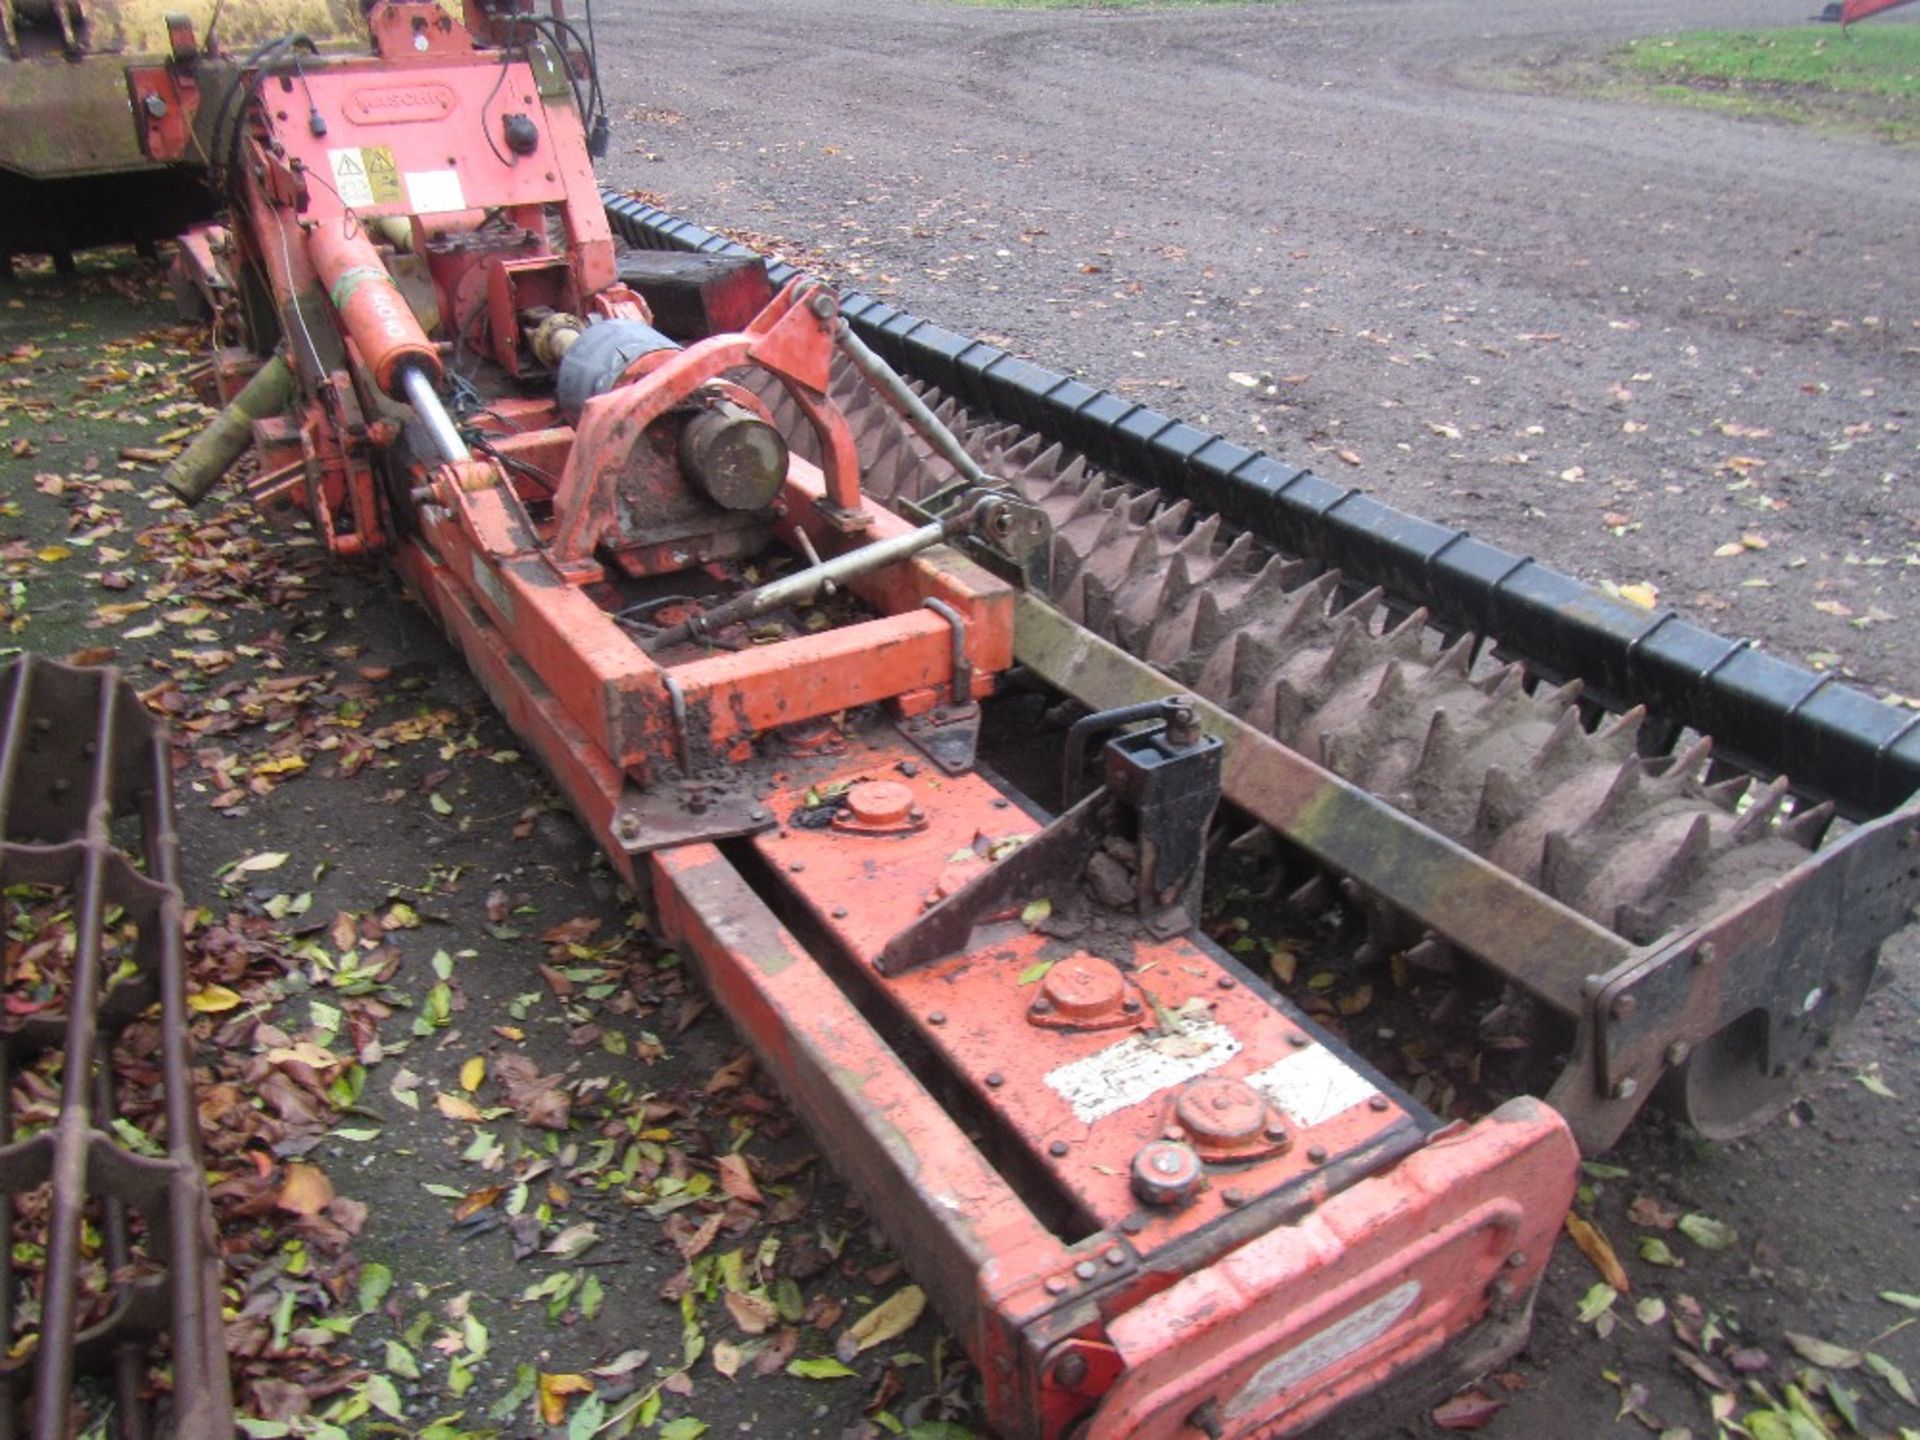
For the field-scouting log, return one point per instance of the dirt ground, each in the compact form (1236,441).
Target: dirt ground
(1620,339)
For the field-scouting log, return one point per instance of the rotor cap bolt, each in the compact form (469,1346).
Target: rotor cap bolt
(156,106)
(1071,1371)
(996,1080)
(1317,1154)
(1226,982)
(938,1017)
(839,912)
(1114,1256)
(1678,1052)
(1297,1040)
(1378,1102)
(1626,1088)
(1086,1270)
(1233,1197)
(1056,1286)
(1058,1148)
(1624,1006)
(1165,1172)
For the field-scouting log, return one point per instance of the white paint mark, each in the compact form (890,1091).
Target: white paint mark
(1136,1068)
(435,192)
(1312,1085)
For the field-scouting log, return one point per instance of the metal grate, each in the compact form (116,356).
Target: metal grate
(81,766)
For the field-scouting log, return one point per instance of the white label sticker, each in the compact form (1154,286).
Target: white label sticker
(435,192)
(1312,1085)
(350,176)
(1321,1349)
(1110,1080)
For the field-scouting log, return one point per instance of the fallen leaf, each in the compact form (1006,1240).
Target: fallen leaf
(213,1000)
(888,1320)
(265,860)
(1708,1233)
(305,1190)
(737,1179)
(1469,1410)
(455,1107)
(554,1390)
(1599,1250)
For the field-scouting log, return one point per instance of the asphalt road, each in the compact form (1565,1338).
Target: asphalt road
(1616,337)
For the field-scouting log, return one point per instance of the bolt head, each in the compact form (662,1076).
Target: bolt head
(1678,1052)
(1626,1088)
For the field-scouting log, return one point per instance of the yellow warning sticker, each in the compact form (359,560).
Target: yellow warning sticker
(364,175)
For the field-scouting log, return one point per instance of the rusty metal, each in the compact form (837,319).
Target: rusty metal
(82,767)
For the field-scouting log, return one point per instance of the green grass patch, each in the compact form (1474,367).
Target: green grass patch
(1867,78)
(1861,61)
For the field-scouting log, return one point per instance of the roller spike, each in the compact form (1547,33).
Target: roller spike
(1560,742)
(1232,561)
(1139,508)
(1439,748)
(1170,522)
(1364,608)
(1753,822)
(1456,660)
(1808,826)
(1565,694)
(1349,645)
(1408,639)
(1315,896)
(1209,624)
(1343,752)
(1096,603)
(1624,789)
(1624,726)
(1726,793)
(1637,923)
(1504,683)
(1199,542)
(1392,687)
(1690,857)
(1502,799)
(1432,954)
(1291,707)
(1259,842)
(1559,864)
(1691,761)
(1368,955)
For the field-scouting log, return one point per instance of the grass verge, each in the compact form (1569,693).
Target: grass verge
(1867,78)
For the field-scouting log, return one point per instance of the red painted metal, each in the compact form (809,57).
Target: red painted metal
(1854,10)
(1134,1181)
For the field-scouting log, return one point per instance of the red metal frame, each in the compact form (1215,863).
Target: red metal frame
(1272,1289)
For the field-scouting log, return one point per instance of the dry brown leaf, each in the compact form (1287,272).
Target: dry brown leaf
(554,1393)
(456,1108)
(1598,1249)
(736,1178)
(305,1190)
